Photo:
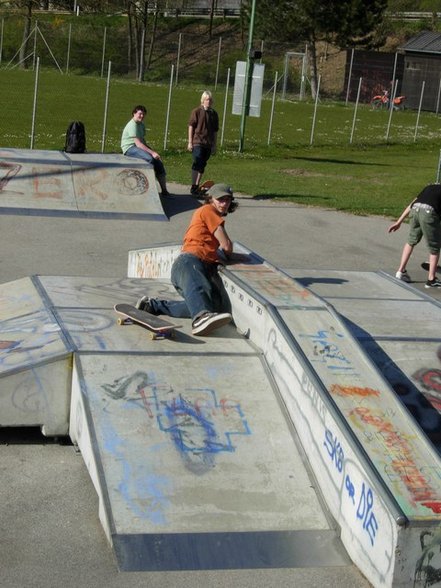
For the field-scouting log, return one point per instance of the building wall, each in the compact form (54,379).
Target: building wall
(376,70)
(418,69)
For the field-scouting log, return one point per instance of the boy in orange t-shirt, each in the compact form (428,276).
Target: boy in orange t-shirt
(195,274)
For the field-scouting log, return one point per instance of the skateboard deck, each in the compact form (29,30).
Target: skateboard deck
(204,187)
(425,266)
(160,328)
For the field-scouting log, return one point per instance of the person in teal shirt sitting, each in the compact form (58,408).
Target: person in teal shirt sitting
(133,145)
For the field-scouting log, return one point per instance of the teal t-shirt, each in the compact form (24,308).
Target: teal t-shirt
(132,130)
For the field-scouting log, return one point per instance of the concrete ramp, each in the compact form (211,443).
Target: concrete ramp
(35,361)
(378,472)
(194,461)
(256,447)
(399,328)
(56,183)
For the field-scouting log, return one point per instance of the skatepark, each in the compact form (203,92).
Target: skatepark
(294,486)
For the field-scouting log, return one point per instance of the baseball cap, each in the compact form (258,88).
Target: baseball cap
(219,190)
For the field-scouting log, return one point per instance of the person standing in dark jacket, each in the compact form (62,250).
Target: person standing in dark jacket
(203,127)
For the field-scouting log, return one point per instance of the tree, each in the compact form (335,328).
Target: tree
(138,29)
(26,7)
(341,22)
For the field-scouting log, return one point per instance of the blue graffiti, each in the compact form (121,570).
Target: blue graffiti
(350,488)
(365,506)
(144,494)
(365,514)
(191,430)
(334,449)
(199,425)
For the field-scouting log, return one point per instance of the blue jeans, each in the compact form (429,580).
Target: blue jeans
(199,283)
(157,164)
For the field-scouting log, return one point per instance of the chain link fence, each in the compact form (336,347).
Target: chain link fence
(86,72)
(77,46)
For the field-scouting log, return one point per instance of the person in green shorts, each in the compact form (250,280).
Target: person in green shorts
(425,221)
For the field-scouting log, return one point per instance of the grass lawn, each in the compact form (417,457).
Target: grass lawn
(387,163)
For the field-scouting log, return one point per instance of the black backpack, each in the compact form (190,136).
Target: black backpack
(75,138)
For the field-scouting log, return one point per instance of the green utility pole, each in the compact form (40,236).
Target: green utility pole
(248,78)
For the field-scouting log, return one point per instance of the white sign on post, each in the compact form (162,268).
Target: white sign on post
(256,88)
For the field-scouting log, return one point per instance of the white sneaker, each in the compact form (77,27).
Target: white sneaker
(210,321)
(403,276)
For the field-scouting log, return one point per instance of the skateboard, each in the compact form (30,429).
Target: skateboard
(425,266)
(160,328)
(203,188)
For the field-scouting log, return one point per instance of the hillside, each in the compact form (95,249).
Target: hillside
(184,42)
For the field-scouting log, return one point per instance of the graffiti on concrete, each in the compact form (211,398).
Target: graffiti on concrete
(153,263)
(428,566)
(362,498)
(429,378)
(348,485)
(28,338)
(270,283)
(132,181)
(47,184)
(7,172)
(327,349)
(400,465)
(199,424)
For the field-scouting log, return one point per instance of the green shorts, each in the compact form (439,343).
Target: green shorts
(428,224)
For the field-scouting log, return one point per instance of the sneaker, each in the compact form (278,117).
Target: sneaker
(209,321)
(435,283)
(194,190)
(165,193)
(403,276)
(144,304)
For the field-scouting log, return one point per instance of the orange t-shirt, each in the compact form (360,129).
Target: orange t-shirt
(199,238)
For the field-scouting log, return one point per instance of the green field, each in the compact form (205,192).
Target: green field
(378,173)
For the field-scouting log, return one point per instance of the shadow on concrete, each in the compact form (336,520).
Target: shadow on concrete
(421,409)
(178,203)
(308,281)
(29,436)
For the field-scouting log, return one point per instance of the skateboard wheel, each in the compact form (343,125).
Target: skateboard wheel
(124,321)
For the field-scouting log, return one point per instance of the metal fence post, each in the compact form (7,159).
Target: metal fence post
(391,108)
(34,108)
(272,107)
(225,107)
(1,40)
(218,62)
(419,112)
(104,51)
(349,77)
(355,110)
(439,169)
(103,142)
(68,48)
(168,106)
(315,111)
(178,58)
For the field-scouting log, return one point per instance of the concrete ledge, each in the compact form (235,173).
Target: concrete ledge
(91,185)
